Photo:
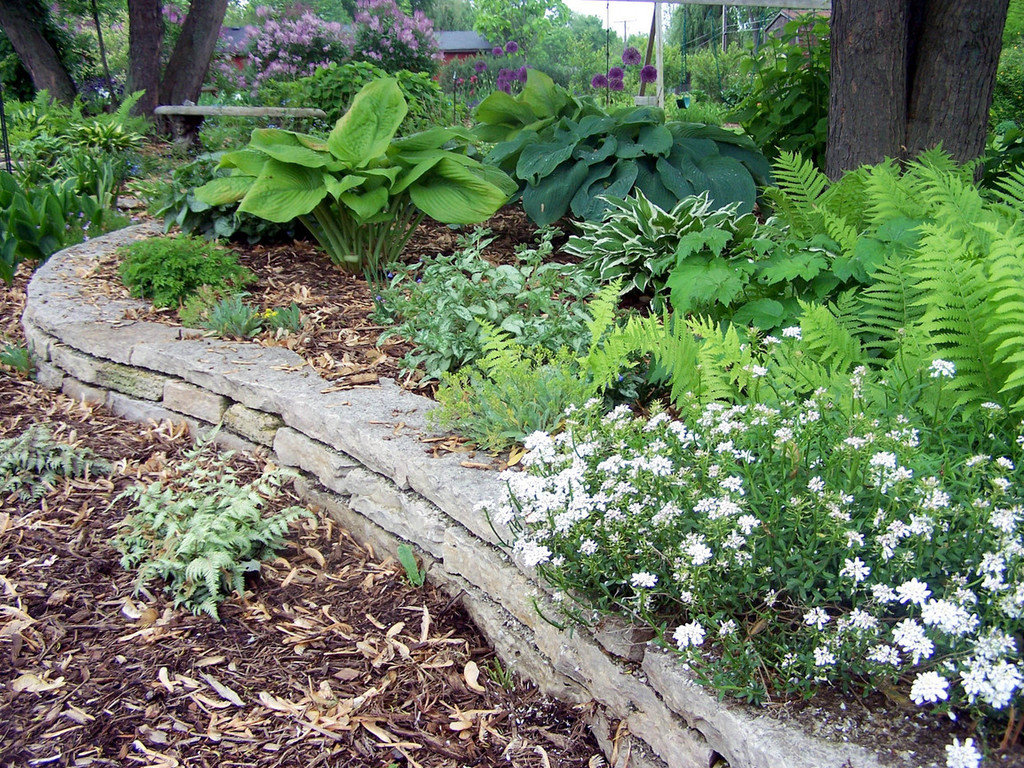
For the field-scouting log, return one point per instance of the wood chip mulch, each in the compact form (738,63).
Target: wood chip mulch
(331,658)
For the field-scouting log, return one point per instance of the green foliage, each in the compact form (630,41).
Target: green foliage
(333,87)
(202,531)
(32,462)
(564,162)
(441,304)
(720,75)
(38,221)
(786,109)
(233,318)
(179,206)
(417,576)
(361,192)
(17,358)
(1008,91)
(522,21)
(1004,152)
(167,270)
(284,319)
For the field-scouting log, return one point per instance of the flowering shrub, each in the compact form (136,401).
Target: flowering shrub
(831,539)
(392,40)
(292,43)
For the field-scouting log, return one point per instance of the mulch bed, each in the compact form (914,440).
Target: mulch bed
(330,659)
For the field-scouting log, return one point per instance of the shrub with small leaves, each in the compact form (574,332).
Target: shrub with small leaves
(167,270)
(31,463)
(202,530)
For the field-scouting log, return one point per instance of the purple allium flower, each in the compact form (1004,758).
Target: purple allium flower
(615,83)
(631,57)
(521,74)
(648,74)
(496,51)
(616,73)
(479,66)
(599,81)
(511,47)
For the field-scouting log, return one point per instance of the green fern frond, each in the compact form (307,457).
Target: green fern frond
(1009,191)
(831,344)
(1006,283)
(890,306)
(798,187)
(602,310)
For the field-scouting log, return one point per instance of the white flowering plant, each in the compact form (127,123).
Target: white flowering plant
(834,539)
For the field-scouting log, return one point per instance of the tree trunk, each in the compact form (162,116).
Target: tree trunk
(145,38)
(103,50)
(20,22)
(190,60)
(908,75)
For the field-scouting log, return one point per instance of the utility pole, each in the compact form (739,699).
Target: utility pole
(725,45)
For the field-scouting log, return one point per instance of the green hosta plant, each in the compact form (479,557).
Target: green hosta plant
(361,191)
(573,162)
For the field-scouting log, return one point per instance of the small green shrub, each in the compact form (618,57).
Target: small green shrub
(31,463)
(167,270)
(17,358)
(719,74)
(1008,92)
(232,317)
(440,305)
(284,319)
(786,109)
(202,531)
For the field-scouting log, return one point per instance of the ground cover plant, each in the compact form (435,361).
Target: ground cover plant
(361,192)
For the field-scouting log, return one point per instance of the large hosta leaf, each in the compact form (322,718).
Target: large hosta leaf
(729,182)
(589,202)
(366,130)
(286,147)
(548,201)
(541,94)
(248,161)
(366,205)
(225,189)
(538,160)
(283,192)
(453,193)
(501,109)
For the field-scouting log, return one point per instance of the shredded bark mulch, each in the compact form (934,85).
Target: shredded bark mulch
(331,658)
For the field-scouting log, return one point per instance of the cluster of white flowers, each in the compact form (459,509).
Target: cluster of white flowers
(919,569)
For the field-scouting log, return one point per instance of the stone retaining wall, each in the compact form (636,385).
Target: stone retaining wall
(359,457)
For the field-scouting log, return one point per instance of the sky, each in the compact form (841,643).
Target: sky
(636,15)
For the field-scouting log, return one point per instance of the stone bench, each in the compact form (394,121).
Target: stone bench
(186,119)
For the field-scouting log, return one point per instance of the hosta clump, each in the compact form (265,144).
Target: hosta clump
(832,539)
(32,462)
(441,303)
(361,191)
(202,530)
(573,162)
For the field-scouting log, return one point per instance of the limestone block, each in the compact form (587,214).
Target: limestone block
(74,363)
(38,342)
(78,390)
(403,514)
(251,424)
(620,747)
(49,376)
(194,401)
(141,411)
(744,740)
(622,639)
(329,466)
(131,381)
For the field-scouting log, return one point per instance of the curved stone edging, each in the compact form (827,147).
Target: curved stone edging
(359,458)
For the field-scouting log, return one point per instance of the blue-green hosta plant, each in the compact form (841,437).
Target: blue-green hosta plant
(576,156)
(361,191)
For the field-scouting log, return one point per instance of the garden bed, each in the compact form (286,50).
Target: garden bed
(360,452)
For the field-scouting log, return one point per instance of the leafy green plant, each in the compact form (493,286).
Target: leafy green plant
(333,87)
(167,270)
(440,304)
(285,319)
(786,108)
(234,318)
(202,531)
(1008,91)
(417,576)
(1004,152)
(500,674)
(361,192)
(32,462)
(574,165)
(17,358)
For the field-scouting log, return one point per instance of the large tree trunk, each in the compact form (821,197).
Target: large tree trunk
(20,22)
(910,74)
(190,60)
(145,38)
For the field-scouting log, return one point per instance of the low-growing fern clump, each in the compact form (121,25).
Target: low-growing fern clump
(202,530)
(33,462)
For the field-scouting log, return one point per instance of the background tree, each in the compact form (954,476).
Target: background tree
(31,32)
(450,14)
(909,74)
(524,21)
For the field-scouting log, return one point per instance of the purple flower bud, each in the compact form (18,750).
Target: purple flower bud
(496,51)
(616,73)
(648,74)
(615,83)
(521,74)
(631,57)
(479,65)
(511,47)
(599,81)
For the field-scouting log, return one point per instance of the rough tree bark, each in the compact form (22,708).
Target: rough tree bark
(186,69)
(20,22)
(909,74)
